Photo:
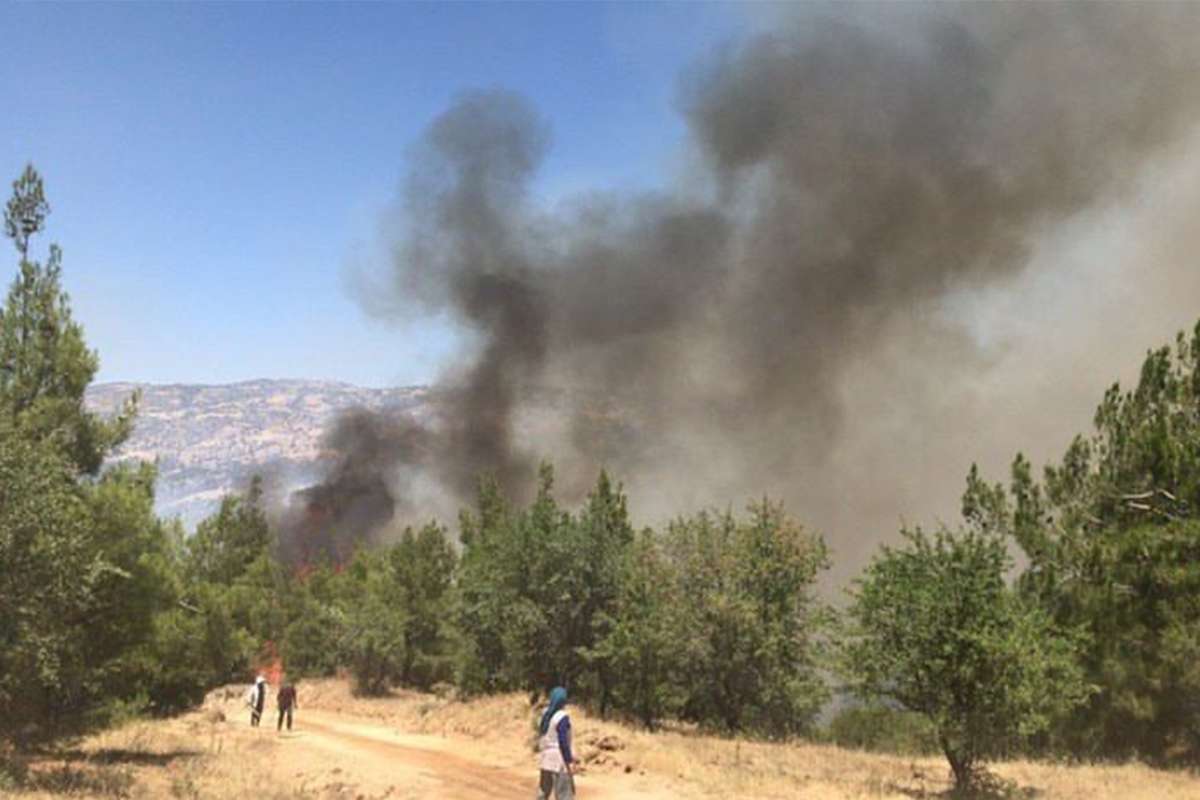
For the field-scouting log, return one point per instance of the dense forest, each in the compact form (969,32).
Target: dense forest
(1089,650)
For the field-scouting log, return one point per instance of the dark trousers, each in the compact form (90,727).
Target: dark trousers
(288,712)
(255,715)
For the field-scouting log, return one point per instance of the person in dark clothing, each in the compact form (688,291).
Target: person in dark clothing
(287,701)
(256,698)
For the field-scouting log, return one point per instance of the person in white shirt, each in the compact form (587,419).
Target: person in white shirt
(256,698)
(555,759)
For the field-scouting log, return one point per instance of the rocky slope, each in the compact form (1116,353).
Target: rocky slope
(208,440)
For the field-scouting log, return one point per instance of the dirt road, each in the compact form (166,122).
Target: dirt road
(418,766)
(332,754)
(411,746)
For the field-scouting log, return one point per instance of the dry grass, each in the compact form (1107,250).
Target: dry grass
(113,764)
(195,757)
(200,756)
(708,766)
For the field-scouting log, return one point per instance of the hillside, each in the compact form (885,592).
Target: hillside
(416,746)
(208,440)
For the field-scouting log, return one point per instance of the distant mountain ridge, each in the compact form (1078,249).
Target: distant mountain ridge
(209,439)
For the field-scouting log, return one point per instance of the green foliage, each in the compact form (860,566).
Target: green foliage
(372,640)
(176,665)
(489,599)
(539,596)
(385,616)
(881,729)
(136,587)
(112,608)
(227,543)
(936,629)
(310,641)
(640,648)
(748,624)
(713,622)
(227,603)
(25,212)
(47,590)
(591,583)
(1112,535)
(45,365)
(83,554)
(423,565)
(519,570)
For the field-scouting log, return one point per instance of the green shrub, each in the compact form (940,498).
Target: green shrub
(881,729)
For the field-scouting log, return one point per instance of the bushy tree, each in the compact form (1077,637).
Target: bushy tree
(226,543)
(310,639)
(935,629)
(128,536)
(537,589)
(47,588)
(779,565)
(497,622)
(597,542)
(423,564)
(195,645)
(372,624)
(882,729)
(232,590)
(1112,537)
(749,626)
(81,552)
(640,646)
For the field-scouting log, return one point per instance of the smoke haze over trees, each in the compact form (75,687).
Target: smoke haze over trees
(819,302)
(712,618)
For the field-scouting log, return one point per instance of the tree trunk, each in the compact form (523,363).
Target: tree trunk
(961,764)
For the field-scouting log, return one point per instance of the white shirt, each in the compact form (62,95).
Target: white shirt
(551,758)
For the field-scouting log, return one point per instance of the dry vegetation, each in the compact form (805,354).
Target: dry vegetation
(706,766)
(212,753)
(191,757)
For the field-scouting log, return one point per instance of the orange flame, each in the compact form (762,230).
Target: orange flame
(269,664)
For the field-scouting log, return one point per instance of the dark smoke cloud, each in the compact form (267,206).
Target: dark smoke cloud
(358,495)
(858,171)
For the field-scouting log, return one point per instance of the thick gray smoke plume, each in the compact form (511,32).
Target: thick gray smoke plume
(356,495)
(859,172)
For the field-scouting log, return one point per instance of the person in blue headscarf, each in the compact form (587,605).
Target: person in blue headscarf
(554,750)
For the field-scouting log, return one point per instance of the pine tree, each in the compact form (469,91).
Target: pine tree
(80,582)
(45,366)
(1112,538)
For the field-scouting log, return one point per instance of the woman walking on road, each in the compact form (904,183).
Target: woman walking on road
(554,750)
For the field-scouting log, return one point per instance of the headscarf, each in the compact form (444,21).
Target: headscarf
(558,699)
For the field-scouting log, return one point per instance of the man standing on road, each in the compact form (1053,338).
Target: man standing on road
(287,701)
(256,698)
(554,748)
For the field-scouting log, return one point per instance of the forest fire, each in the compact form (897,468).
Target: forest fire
(327,521)
(328,524)
(880,247)
(849,184)
(269,664)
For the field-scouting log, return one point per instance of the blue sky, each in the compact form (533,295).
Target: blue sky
(214,168)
